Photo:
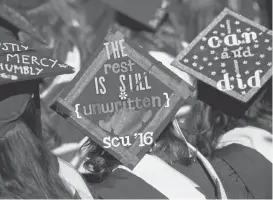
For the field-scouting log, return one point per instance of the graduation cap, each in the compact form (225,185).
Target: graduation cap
(21,70)
(18,62)
(232,60)
(123,94)
(140,13)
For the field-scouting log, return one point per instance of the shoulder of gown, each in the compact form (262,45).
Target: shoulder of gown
(73,180)
(122,184)
(152,178)
(244,172)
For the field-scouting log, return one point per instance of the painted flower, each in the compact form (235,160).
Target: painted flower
(126,121)
(123,95)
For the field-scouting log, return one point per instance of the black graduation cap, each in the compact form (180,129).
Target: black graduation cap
(232,60)
(141,12)
(21,70)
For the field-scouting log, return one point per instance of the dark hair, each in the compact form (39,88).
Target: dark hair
(99,162)
(171,147)
(50,120)
(205,125)
(28,170)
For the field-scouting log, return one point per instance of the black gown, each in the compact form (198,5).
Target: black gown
(244,172)
(122,184)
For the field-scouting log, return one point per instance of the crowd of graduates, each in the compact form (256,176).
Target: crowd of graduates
(203,153)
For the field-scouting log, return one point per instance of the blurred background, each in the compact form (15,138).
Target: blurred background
(74,28)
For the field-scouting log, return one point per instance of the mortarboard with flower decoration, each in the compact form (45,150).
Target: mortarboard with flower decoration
(124,98)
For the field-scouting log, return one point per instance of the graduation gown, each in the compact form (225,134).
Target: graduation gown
(243,171)
(122,184)
(243,162)
(73,181)
(152,178)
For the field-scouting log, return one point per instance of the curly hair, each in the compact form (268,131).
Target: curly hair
(205,124)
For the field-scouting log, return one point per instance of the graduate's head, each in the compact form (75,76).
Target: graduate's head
(20,101)
(27,168)
(205,123)
(99,164)
(230,85)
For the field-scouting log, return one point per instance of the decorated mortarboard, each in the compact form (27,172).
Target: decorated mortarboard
(20,72)
(19,63)
(123,99)
(232,60)
(148,13)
